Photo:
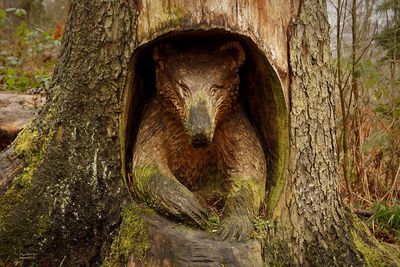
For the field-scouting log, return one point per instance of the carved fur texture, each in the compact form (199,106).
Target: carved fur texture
(195,145)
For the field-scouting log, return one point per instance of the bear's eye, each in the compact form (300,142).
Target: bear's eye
(183,90)
(215,90)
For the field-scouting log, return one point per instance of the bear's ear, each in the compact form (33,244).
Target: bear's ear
(235,50)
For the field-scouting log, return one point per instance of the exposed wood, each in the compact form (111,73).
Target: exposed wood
(177,245)
(16,110)
(197,91)
(265,22)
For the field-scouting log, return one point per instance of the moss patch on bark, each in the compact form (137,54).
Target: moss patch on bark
(280,163)
(31,145)
(24,215)
(375,253)
(22,225)
(131,241)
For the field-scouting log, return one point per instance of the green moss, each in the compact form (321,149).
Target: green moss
(6,201)
(375,253)
(141,177)
(31,146)
(177,12)
(22,223)
(132,238)
(279,173)
(133,234)
(24,217)
(246,189)
(172,13)
(141,182)
(123,139)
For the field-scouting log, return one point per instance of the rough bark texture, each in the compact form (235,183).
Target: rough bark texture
(318,228)
(314,228)
(65,208)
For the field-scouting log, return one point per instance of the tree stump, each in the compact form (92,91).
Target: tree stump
(67,206)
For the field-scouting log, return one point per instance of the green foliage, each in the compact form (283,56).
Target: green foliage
(385,222)
(213,223)
(15,82)
(20,12)
(388,216)
(377,140)
(390,109)
(389,38)
(261,227)
(3,17)
(27,54)
(214,219)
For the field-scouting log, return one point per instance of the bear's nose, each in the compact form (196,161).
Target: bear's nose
(199,125)
(199,140)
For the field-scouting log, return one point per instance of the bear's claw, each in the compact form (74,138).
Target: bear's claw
(235,228)
(181,203)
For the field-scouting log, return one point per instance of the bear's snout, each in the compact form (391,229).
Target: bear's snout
(199,126)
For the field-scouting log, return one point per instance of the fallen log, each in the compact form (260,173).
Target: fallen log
(16,110)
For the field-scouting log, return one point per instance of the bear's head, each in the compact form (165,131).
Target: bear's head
(199,86)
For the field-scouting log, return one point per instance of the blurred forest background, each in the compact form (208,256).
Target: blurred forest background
(365,46)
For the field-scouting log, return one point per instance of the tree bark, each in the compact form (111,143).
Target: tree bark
(355,91)
(340,19)
(312,202)
(69,205)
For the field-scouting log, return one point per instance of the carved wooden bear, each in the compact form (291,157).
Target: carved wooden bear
(193,134)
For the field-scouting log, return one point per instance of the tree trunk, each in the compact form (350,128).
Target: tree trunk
(340,19)
(69,205)
(355,91)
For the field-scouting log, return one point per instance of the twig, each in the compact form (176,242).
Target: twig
(366,200)
(363,213)
(30,23)
(62,262)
